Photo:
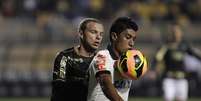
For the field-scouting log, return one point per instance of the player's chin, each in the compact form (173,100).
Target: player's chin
(96,46)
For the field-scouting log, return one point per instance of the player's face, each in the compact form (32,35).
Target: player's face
(93,35)
(177,34)
(125,40)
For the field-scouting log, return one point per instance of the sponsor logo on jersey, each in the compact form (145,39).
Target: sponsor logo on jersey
(100,62)
(122,84)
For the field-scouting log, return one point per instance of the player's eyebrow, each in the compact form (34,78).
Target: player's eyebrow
(130,35)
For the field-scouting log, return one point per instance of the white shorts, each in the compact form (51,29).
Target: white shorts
(175,89)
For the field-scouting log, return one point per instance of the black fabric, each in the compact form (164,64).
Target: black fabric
(71,81)
(174,58)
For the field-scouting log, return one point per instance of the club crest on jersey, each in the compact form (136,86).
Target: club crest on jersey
(100,61)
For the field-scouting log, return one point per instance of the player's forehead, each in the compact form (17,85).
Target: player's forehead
(94,25)
(129,31)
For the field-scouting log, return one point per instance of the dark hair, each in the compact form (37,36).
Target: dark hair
(121,24)
(84,22)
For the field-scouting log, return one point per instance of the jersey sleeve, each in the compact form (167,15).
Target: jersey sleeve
(58,82)
(161,53)
(192,51)
(59,67)
(99,63)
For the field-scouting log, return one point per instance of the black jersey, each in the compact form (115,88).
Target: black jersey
(173,56)
(70,76)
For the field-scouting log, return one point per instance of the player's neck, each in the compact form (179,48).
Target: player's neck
(116,53)
(80,50)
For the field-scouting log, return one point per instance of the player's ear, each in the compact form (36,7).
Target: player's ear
(81,34)
(114,36)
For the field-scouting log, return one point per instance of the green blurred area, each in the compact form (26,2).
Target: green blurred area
(130,99)
(24,99)
(156,99)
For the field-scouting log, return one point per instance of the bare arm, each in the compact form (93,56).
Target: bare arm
(108,88)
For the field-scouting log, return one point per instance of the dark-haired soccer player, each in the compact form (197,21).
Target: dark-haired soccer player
(104,82)
(70,76)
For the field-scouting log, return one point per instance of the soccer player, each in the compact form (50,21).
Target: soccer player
(172,54)
(105,84)
(70,76)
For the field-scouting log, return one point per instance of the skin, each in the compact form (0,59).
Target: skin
(175,34)
(178,33)
(124,41)
(91,39)
(121,42)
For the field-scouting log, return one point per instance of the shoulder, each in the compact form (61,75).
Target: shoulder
(65,52)
(100,63)
(102,53)
(68,51)
(185,44)
(162,48)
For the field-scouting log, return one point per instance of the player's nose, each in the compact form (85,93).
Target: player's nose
(99,36)
(131,43)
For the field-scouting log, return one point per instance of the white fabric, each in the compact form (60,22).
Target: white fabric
(104,62)
(191,63)
(175,89)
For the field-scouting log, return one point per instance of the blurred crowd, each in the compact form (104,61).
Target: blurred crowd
(142,10)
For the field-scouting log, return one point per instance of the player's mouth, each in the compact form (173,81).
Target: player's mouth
(96,43)
(130,48)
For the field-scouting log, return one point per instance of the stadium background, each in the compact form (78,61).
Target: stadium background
(33,31)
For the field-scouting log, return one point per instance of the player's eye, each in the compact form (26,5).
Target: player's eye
(101,34)
(93,31)
(128,36)
(134,38)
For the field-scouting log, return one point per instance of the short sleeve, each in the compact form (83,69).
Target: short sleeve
(99,63)
(59,67)
(161,53)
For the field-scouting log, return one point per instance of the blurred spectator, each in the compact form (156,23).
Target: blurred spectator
(8,8)
(148,10)
(195,11)
(159,11)
(96,8)
(43,24)
(78,9)
(130,9)
(174,73)
(30,7)
(62,7)
(47,5)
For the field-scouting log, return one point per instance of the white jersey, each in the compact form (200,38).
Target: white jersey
(103,62)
